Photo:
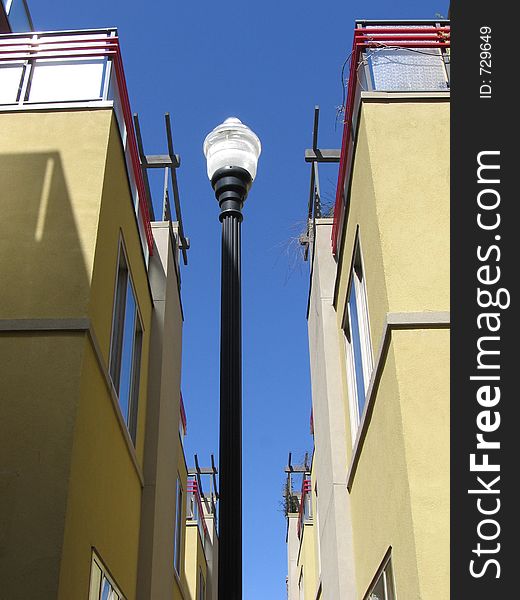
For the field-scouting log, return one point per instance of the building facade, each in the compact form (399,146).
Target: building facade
(93,474)
(378,320)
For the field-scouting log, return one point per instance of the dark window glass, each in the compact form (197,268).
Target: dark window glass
(125,352)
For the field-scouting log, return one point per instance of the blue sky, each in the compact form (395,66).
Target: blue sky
(267,63)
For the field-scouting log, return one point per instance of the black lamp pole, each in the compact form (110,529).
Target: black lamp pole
(231,185)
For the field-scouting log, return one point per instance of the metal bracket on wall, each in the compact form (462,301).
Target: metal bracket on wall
(198,471)
(305,468)
(169,162)
(314,156)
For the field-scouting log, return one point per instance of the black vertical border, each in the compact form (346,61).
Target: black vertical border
(480,125)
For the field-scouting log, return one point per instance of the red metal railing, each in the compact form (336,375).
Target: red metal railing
(306,490)
(19,47)
(377,37)
(193,488)
(184,421)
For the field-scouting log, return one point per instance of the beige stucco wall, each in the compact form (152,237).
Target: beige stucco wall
(162,448)
(293,546)
(211,551)
(335,556)
(400,205)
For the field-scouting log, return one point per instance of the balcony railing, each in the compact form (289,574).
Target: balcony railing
(70,69)
(305,510)
(194,510)
(397,57)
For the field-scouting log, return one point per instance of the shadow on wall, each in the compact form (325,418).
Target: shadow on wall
(42,276)
(42,267)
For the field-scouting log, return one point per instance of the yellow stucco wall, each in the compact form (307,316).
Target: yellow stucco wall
(422,363)
(307,561)
(52,167)
(38,403)
(74,481)
(180,587)
(400,203)
(195,560)
(362,222)
(380,496)
(409,150)
(308,554)
(50,187)
(400,493)
(117,221)
(104,503)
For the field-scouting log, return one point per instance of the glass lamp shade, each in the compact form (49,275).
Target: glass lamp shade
(232,144)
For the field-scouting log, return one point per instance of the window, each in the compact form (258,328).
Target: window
(102,586)
(126,343)
(358,347)
(178,528)
(202,586)
(383,588)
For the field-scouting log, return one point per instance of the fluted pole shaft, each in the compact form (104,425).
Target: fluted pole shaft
(231,186)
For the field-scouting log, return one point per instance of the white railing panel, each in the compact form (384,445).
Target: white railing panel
(10,81)
(57,80)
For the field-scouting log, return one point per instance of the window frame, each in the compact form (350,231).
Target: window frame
(124,282)
(360,327)
(386,573)
(96,586)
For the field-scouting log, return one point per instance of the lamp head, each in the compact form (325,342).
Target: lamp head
(232,144)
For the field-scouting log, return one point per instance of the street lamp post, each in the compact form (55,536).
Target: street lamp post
(232,152)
